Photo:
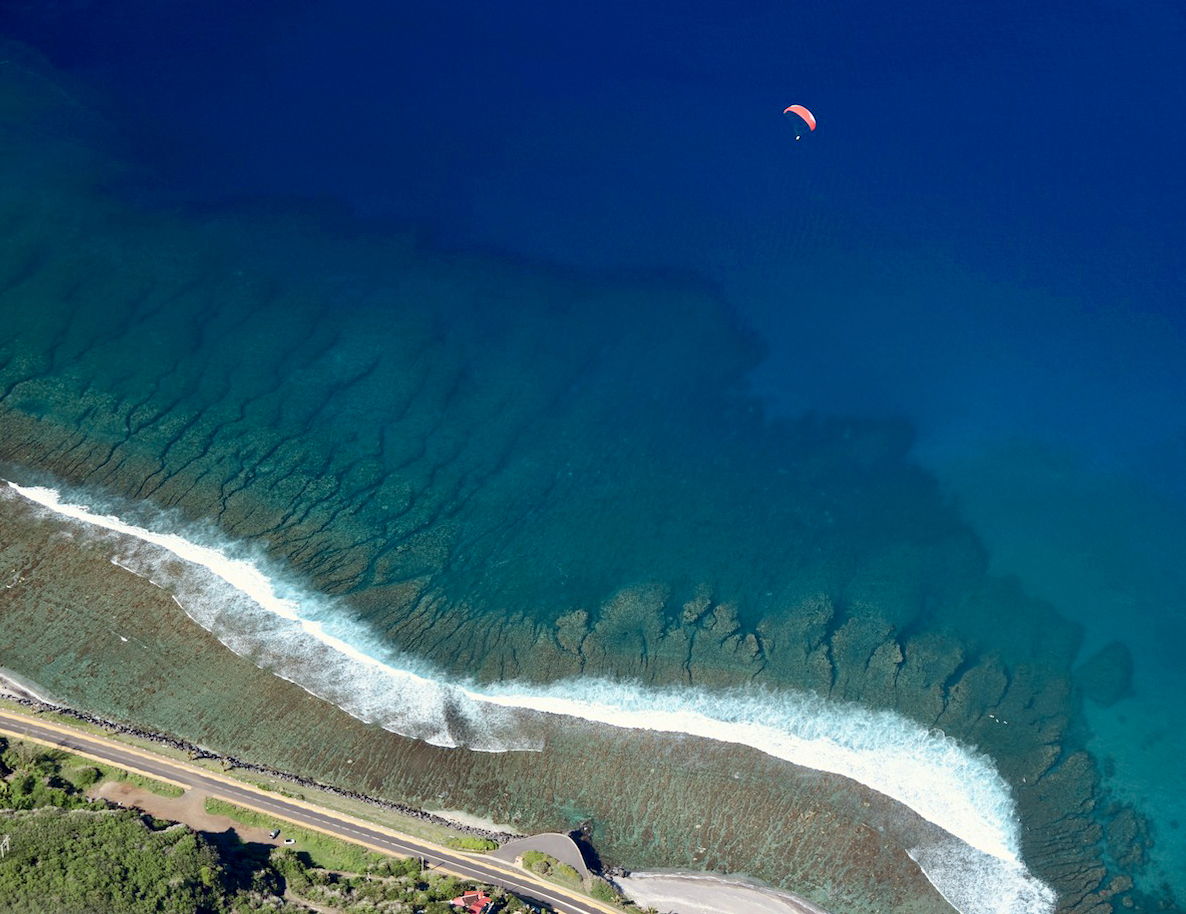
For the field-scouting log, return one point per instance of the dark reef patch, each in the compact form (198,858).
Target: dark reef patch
(1106,676)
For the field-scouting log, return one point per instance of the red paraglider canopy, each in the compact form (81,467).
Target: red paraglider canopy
(803,113)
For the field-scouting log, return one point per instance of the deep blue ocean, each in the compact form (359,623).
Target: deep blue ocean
(983,237)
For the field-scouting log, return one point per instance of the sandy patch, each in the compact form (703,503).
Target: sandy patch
(705,894)
(189,808)
(471,821)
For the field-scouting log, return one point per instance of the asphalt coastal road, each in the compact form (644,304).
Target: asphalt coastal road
(484,869)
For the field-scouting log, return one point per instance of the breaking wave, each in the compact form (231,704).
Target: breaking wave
(304,638)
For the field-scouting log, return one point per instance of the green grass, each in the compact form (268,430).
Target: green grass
(472,844)
(83,772)
(545,865)
(405,824)
(111,773)
(324,850)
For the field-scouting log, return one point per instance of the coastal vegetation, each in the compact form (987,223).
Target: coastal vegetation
(545,865)
(63,850)
(549,867)
(111,773)
(321,850)
(471,843)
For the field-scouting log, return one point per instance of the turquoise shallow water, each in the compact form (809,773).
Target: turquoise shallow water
(1104,545)
(512,472)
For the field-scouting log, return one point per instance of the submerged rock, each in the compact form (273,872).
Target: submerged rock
(1106,677)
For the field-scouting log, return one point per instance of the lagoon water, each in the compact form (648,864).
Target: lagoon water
(545,382)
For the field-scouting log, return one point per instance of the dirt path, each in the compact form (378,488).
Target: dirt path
(189,808)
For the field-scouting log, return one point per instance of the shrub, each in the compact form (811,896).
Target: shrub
(84,776)
(603,891)
(537,862)
(408,866)
(51,865)
(472,844)
(566,873)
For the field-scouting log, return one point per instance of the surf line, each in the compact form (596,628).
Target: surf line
(958,790)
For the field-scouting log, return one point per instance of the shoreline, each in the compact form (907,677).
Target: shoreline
(478,823)
(677,892)
(12,689)
(800,729)
(14,686)
(683,892)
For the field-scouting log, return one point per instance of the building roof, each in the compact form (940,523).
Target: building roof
(473,902)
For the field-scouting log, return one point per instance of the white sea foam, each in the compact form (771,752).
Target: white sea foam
(300,637)
(977,883)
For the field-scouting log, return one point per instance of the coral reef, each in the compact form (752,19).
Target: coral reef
(515,474)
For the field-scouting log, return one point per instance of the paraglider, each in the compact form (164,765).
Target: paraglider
(807,116)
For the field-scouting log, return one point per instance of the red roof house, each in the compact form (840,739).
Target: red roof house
(473,902)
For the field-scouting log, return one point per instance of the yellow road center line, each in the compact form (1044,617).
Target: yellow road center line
(428,847)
